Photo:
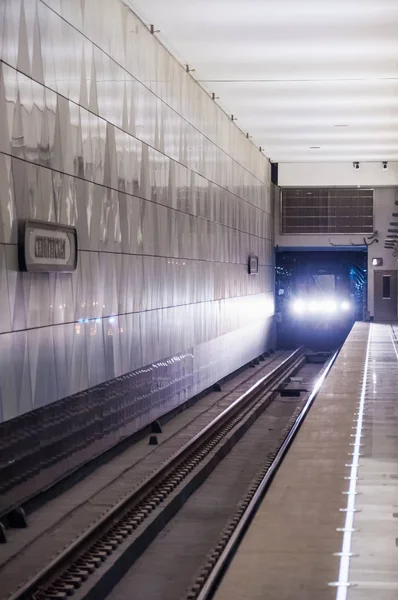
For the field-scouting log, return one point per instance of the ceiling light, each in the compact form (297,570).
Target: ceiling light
(315,147)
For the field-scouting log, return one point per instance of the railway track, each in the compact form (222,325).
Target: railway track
(210,576)
(90,565)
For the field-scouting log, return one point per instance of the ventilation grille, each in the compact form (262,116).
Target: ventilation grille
(323,210)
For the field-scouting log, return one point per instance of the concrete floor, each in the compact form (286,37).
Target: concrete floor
(373,569)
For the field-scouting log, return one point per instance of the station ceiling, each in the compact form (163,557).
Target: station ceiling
(309,80)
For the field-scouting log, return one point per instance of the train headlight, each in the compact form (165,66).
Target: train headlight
(299,307)
(314,306)
(319,306)
(330,306)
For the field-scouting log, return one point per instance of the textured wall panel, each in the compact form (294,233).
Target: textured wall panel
(100,128)
(48,442)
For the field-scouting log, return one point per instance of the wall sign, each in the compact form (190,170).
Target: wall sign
(47,247)
(253,265)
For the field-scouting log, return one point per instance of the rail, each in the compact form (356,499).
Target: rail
(215,576)
(68,570)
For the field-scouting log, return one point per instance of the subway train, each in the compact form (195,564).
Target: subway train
(319,295)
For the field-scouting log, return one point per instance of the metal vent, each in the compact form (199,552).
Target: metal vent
(326,210)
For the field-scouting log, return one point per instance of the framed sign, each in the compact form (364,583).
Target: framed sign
(46,247)
(253,265)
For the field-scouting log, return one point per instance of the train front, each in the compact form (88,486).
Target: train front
(317,307)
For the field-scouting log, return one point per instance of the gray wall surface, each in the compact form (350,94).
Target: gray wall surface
(102,129)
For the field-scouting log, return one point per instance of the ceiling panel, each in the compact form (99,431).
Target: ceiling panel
(308,80)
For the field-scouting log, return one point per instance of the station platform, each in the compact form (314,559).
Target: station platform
(328,525)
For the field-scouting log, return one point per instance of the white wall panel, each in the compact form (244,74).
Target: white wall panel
(103,130)
(337,174)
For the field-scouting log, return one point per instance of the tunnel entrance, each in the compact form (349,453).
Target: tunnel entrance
(318,296)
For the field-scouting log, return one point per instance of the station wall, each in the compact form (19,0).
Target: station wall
(338,174)
(101,128)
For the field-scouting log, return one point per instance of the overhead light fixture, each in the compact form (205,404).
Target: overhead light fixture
(384,165)
(315,147)
(355,165)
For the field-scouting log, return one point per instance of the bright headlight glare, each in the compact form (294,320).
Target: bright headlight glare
(313,306)
(330,306)
(298,306)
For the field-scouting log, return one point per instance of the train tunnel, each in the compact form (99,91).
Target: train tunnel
(318,296)
(198,247)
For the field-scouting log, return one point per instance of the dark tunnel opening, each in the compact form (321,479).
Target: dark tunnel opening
(318,296)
